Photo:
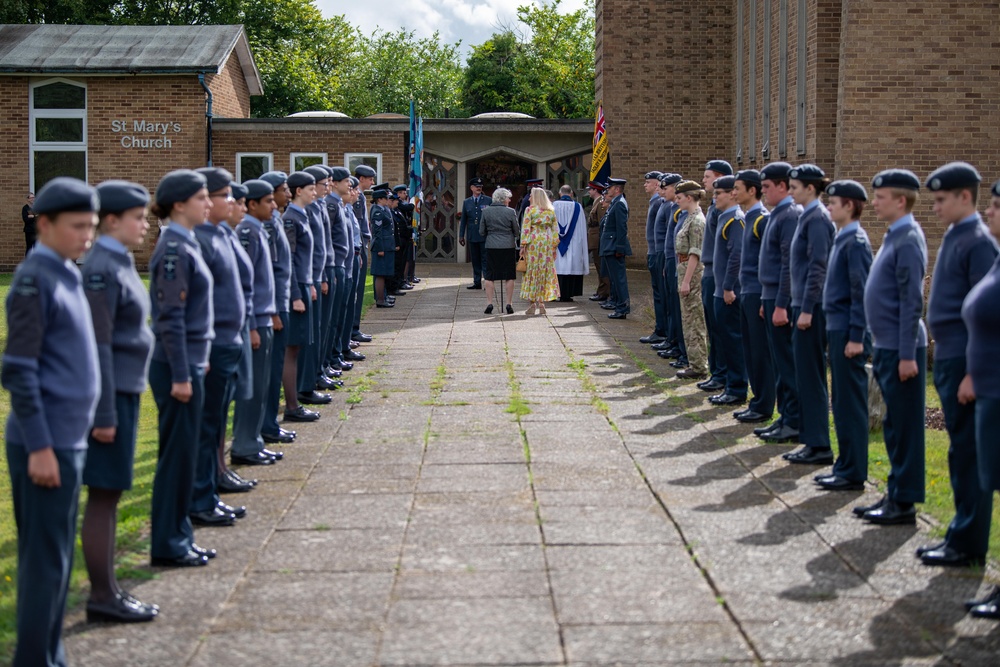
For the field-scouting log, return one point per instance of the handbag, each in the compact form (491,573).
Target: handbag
(522,265)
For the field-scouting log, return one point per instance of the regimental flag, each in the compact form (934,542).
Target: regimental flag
(600,165)
(416,164)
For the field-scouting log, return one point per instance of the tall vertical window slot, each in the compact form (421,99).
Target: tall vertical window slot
(752,82)
(765,150)
(740,101)
(58,131)
(783,78)
(800,79)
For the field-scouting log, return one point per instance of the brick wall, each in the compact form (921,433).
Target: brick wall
(230,94)
(14,177)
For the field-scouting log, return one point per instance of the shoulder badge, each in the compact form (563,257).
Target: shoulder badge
(96,282)
(26,286)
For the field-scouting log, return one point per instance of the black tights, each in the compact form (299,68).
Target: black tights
(100,521)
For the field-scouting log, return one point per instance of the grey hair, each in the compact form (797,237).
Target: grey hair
(501,195)
(566,190)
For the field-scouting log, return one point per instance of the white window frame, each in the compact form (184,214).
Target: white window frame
(53,146)
(239,163)
(291,159)
(378,160)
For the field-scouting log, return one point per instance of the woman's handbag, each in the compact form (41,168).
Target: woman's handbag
(522,265)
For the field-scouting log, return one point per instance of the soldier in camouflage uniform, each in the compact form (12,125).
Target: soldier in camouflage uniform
(689,271)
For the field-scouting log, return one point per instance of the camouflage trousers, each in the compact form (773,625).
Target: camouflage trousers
(693,320)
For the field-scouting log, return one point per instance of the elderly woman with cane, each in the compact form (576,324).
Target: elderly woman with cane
(498,225)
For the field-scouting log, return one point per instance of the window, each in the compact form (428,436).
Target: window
(252,165)
(373,160)
(300,161)
(58,131)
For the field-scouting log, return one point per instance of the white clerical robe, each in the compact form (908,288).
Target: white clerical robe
(574,261)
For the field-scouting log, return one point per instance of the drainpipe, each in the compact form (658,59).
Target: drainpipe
(208,116)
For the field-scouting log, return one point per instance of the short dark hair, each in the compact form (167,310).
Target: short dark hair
(857,207)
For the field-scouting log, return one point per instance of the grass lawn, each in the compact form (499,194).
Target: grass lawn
(133,511)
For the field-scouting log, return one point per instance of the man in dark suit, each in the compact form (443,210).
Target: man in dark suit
(615,248)
(468,231)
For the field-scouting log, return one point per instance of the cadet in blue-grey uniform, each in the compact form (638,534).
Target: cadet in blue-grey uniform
(353,267)
(966,255)
(468,230)
(894,302)
(726,265)
(847,336)
(774,273)
(50,368)
(248,414)
(180,287)
(230,309)
(982,320)
(366,178)
(714,169)
(340,183)
(810,253)
(615,247)
(383,246)
(753,332)
(669,219)
(654,265)
(119,305)
(390,293)
(308,361)
(327,294)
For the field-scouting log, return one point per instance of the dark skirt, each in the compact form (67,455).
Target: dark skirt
(300,324)
(384,266)
(987,452)
(110,464)
(570,286)
(501,264)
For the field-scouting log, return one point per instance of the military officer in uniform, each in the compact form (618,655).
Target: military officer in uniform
(688,244)
(615,248)
(654,265)
(468,230)
(383,246)
(366,177)
(594,219)
(726,265)
(668,223)
(714,169)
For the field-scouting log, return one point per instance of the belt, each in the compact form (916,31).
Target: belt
(682,258)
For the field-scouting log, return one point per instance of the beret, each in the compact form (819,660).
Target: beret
(724,183)
(179,185)
(318,171)
(257,188)
(216,178)
(392,196)
(847,189)
(381,186)
(275,178)
(239,191)
(400,187)
(616,181)
(952,176)
(298,179)
(535,181)
(364,170)
(775,171)
(338,174)
(118,196)
(354,181)
(472,181)
(66,194)
(896,178)
(719,167)
(597,185)
(807,172)
(379,193)
(751,176)
(670,179)
(996,189)
(689,186)
(653,174)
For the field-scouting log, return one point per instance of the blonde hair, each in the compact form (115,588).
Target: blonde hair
(540,199)
(909,195)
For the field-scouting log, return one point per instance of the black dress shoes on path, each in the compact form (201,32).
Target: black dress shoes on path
(190,559)
(711,385)
(778,435)
(945,556)
(314,398)
(258,459)
(752,417)
(213,518)
(301,414)
(836,483)
(727,399)
(120,610)
(987,607)
(892,513)
(861,510)
(807,455)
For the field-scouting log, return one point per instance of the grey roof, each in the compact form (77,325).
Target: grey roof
(125,49)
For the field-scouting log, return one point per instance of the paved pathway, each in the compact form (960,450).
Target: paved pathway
(520,491)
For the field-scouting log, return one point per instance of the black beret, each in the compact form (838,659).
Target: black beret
(996,189)
(364,170)
(896,178)
(670,179)
(118,196)
(653,174)
(953,176)
(392,196)
(616,181)
(298,179)
(216,178)
(473,181)
(66,194)
(338,174)
(257,188)
(354,181)
(775,171)
(275,178)
(719,167)
(400,187)
(179,185)
(749,176)
(379,193)
(724,183)
(807,172)
(239,191)
(318,171)
(597,185)
(848,190)
(381,186)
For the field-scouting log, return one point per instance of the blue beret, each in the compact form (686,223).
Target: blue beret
(339,173)
(953,176)
(807,172)
(65,194)
(364,170)
(239,191)
(719,167)
(616,181)
(896,178)
(724,183)
(275,178)
(670,179)
(216,178)
(318,171)
(400,188)
(653,174)
(775,171)
(179,185)
(749,176)
(380,194)
(381,186)
(996,189)
(118,196)
(392,196)
(257,188)
(848,190)
(354,181)
(298,179)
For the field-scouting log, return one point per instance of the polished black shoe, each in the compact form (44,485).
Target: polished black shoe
(948,557)
(711,385)
(752,417)
(361,338)
(509,309)
(921,550)
(678,364)
(673,353)
(727,399)
(343,365)
(660,347)
(383,304)
(837,483)
(861,510)
(353,344)
(406,287)
(351,355)
(119,610)
(314,398)
(273,439)
(781,434)
(990,610)
(239,480)
(652,339)
(190,559)
(617,316)
(239,511)
(227,484)
(474,286)
(326,384)
(131,599)
(662,354)
(760,431)
(277,456)
(690,374)
(301,414)
(891,514)
(992,597)
(207,553)
(213,517)
(810,456)
(258,459)
(332,373)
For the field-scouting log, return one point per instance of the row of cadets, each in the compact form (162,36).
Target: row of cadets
(669,220)
(365,176)
(308,362)
(348,339)
(342,270)
(347,243)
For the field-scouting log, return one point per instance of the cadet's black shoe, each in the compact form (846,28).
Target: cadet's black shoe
(710,385)
(258,459)
(239,480)
(229,485)
(474,286)
(781,434)
(727,399)
(992,597)
(948,557)
(673,353)
(131,599)
(353,344)
(861,510)
(836,483)
(752,417)
(760,431)
(690,374)
(652,339)
(989,610)
(207,553)
(361,338)
(301,414)
(351,355)
(213,517)
(190,559)
(678,364)
(617,316)
(239,511)
(326,384)
(280,437)
(921,550)
(277,456)
(383,304)
(314,398)
(892,513)
(810,456)
(119,610)
(341,365)
(659,347)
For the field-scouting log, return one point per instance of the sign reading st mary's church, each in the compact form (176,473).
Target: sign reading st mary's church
(144,133)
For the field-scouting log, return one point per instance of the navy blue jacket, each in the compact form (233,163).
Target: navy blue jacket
(614,229)
(661,227)
(846,275)
(340,231)
(655,204)
(472,213)
(809,255)
(50,365)
(245,267)
(753,234)
(314,215)
(228,301)
(982,320)
(728,251)
(775,270)
(383,238)
(300,244)
(708,244)
(361,213)
(281,261)
(257,246)
(677,218)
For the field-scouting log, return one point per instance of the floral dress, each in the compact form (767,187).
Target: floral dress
(539,238)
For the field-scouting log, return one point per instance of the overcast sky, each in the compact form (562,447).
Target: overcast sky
(472,21)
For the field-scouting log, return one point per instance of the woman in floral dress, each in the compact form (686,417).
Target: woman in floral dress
(539,239)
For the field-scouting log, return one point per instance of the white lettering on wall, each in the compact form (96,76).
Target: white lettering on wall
(155,133)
